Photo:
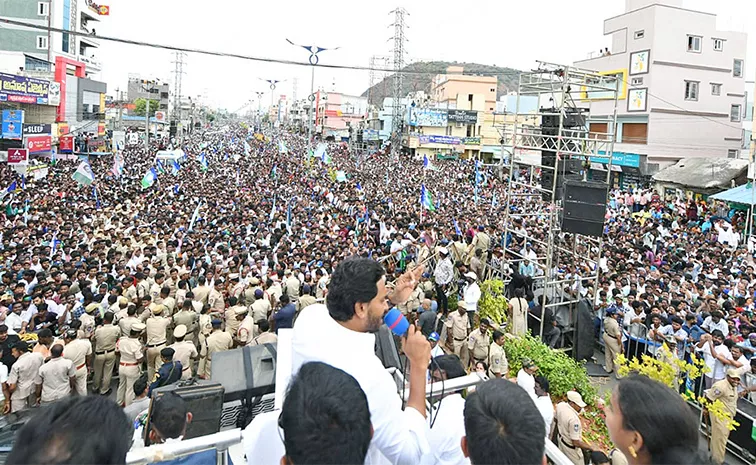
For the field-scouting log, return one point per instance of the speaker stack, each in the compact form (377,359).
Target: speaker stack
(584,207)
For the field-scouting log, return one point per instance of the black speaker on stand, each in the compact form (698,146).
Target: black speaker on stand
(584,207)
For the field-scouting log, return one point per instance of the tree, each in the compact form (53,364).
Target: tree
(141,105)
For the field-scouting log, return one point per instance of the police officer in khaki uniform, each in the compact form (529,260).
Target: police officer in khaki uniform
(215,298)
(479,343)
(232,323)
(79,351)
(246,327)
(157,326)
(498,366)
(612,339)
(165,298)
(570,429)
(56,377)
(105,338)
(306,299)
(132,353)
(23,374)
(88,321)
(184,351)
(457,330)
(186,316)
(217,341)
(261,307)
(266,336)
(725,390)
(128,321)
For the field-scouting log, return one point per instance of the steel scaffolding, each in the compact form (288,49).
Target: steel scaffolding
(563,93)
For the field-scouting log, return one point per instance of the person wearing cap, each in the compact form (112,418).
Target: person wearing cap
(478,343)
(436,350)
(725,391)
(215,298)
(170,370)
(217,341)
(471,295)
(55,378)
(443,275)
(261,306)
(245,331)
(305,300)
(88,319)
(498,366)
(157,329)
(612,339)
(184,351)
(105,338)
(132,353)
(570,429)
(526,376)
(232,323)
(79,351)
(458,330)
(21,379)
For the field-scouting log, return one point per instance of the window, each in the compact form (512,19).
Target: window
(716,89)
(732,153)
(735,113)
(737,68)
(493,90)
(694,44)
(718,45)
(42,42)
(637,81)
(635,133)
(691,90)
(43,8)
(599,131)
(639,34)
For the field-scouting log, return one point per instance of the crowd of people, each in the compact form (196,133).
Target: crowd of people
(147,280)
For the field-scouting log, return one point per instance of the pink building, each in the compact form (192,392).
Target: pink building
(336,112)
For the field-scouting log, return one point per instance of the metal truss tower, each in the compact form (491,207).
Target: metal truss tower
(397,115)
(567,264)
(178,73)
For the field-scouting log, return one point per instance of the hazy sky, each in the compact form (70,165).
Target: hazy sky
(498,32)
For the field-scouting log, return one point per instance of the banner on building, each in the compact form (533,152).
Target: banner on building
(447,140)
(63,129)
(37,171)
(462,116)
(160,116)
(39,144)
(17,156)
(101,129)
(370,135)
(22,89)
(66,144)
(12,125)
(54,94)
(428,117)
(37,129)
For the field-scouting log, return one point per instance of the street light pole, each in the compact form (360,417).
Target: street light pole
(147,127)
(272,83)
(314,59)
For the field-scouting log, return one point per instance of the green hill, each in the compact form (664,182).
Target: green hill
(418,77)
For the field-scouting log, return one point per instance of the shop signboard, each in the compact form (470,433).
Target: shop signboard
(37,129)
(447,140)
(39,144)
(12,124)
(22,89)
(17,156)
(463,116)
(428,117)
(66,144)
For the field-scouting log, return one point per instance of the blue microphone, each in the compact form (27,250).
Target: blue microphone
(396,322)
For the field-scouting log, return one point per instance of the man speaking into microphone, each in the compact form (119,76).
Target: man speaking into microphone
(341,334)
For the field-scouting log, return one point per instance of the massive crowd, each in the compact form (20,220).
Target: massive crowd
(231,243)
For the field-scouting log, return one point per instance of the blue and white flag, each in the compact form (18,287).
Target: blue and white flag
(247,148)
(96,197)
(456,228)
(149,178)
(203,162)
(426,199)
(282,147)
(426,162)
(175,167)
(195,215)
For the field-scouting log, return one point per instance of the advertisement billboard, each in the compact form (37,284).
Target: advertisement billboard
(22,89)
(428,117)
(39,144)
(370,134)
(16,156)
(447,140)
(12,125)
(37,129)
(66,144)
(463,116)
(101,129)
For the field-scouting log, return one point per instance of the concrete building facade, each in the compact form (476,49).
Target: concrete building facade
(336,113)
(149,89)
(682,86)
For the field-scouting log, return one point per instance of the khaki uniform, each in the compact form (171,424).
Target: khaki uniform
(570,428)
(292,287)
(105,338)
(156,339)
(232,324)
(185,352)
(497,361)
(412,303)
(204,328)
(55,378)
(246,331)
(217,341)
(304,302)
(128,369)
(260,309)
(728,394)
(188,319)
(478,344)
(23,374)
(611,331)
(130,293)
(170,305)
(87,324)
(155,291)
(458,326)
(125,325)
(201,293)
(217,304)
(265,338)
(77,351)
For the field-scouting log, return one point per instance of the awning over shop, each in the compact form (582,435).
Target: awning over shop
(742,194)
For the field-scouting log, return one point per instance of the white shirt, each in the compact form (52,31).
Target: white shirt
(544,405)
(716,368)
(3,377)
(445,436)
(472,296)
(526,381)
(710,326)
(400,437)
(262,440)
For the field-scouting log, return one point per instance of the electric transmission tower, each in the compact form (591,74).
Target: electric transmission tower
(178,73)
(397,114)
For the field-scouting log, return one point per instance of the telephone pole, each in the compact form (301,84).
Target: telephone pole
(397,115)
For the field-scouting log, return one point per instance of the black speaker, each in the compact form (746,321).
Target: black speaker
(205,402)
(584,207)
(172,129)
(573,118)
(584,331)
(246,372)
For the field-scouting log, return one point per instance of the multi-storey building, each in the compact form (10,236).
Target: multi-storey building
(149,89)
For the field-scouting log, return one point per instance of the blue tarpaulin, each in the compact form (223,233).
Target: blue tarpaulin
(742,194)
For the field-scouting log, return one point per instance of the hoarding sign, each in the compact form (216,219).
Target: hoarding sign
(22,89)
(12,125)
(66,144)
(16,156)
(463,116)
(471,140)
(428,117)
(37,129)
(447,140)
(39,144)
(370,134)
(618,158)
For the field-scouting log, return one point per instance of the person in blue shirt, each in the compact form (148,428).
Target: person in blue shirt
(169,372)
(284,318)
(749,346)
